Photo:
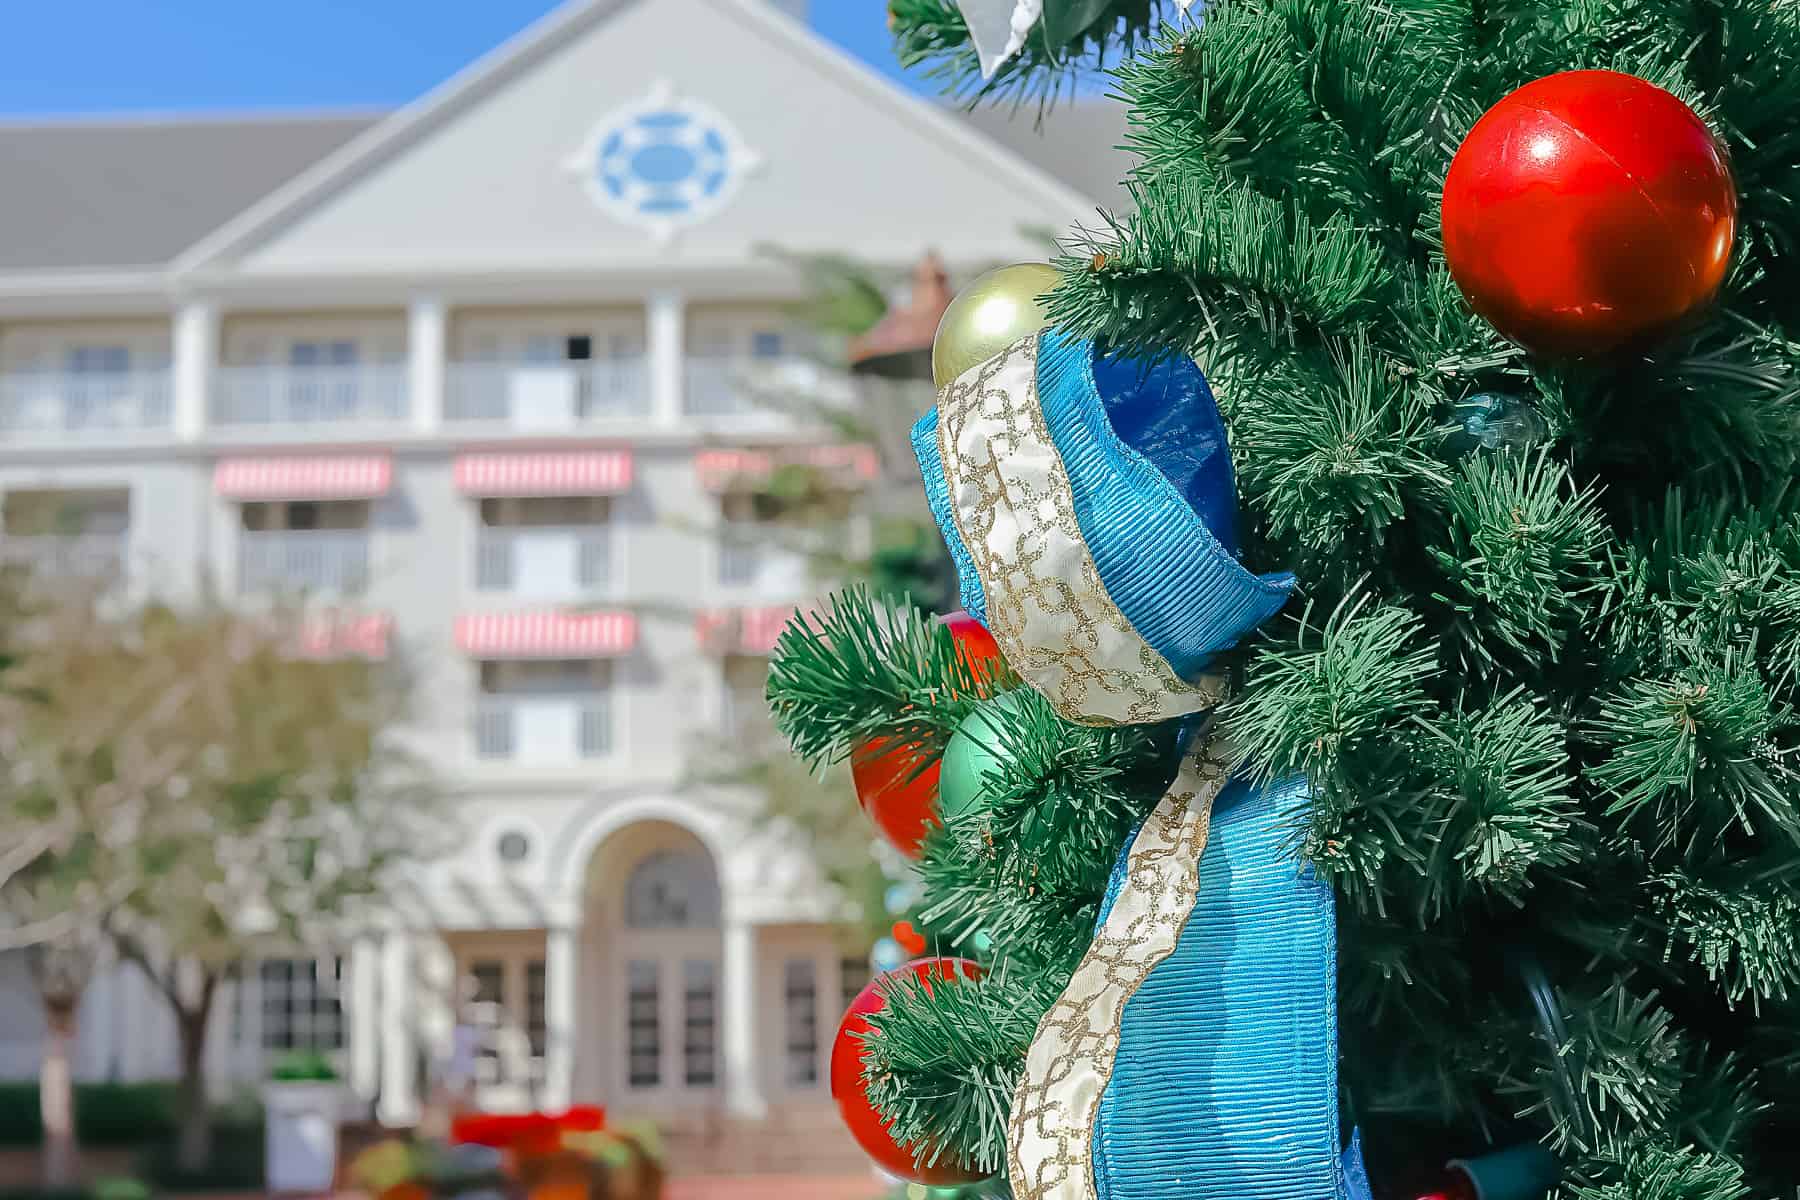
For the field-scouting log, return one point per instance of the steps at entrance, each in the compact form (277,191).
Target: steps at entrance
(794,1140)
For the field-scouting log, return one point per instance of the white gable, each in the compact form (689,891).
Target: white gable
(773,138)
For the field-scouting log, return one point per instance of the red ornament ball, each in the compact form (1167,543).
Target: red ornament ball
(975,644)
(897,790)
(864,1122)
(1588,211)
(900,793)
(910,939)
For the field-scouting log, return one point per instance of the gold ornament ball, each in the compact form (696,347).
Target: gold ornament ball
(989,315)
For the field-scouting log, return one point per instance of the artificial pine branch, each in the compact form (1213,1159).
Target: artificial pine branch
(941,1062)
(858,669)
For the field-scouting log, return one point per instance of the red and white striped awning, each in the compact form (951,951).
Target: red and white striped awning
(576,473)
(743,630)
(335,636)
(322,477)
(722,470)
(546,634)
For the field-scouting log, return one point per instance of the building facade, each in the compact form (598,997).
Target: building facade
(481,372)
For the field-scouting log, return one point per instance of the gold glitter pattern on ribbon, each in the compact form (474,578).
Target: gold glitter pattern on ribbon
(1050,1135)
(1046,606)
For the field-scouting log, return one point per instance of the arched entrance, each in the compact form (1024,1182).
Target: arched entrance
(653,913)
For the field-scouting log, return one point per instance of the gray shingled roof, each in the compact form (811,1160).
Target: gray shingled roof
(80,194)
(135,193)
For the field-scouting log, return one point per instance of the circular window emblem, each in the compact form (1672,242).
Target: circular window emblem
(663,162)
(513,847)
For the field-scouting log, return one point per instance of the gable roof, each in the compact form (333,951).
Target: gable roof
(493,72)
(135,193)
(153,192)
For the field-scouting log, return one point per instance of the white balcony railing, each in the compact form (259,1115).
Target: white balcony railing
(543,730)
(303,560)
(723,386)
(91,556)
(544,563)
(285,395)
(61,406)
(546,395)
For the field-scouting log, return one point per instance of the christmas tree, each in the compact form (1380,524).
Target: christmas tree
(1539,673)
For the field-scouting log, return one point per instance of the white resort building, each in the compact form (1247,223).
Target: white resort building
(478,367)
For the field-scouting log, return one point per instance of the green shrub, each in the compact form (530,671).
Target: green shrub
(303,1066)
(236,1164)
(106,1114)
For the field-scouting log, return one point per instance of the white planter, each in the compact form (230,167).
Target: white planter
(301,1136)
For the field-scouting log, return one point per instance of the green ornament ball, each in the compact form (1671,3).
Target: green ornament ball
(975,751)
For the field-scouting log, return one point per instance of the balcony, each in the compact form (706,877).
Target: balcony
(60,406)
(543,730)
(753,563)
(762,387)
(544,563)
(303,560)
(547,396)
(284,396)
(83,556)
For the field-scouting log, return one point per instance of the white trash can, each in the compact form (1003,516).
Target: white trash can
(300,1139)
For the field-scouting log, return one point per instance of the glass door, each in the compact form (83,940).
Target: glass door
(669,979)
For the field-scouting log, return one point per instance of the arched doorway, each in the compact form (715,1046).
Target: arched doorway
(654,909)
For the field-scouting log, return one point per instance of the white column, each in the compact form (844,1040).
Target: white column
(365,1017)
(667,316)
(562,972)
(399,1103)
(196,353)
(737,999)
(427,344)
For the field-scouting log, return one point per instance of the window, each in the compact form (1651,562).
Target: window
(98,360)
(513,847)
(767,343)
(487,1005)
(66,514)
(537,1024)
(673,890)
(643,1024)
(527,512)
(301,1007)
(800,1008)
(853,976)
(745,711)
(699,1009)
(305,516)
(322,354)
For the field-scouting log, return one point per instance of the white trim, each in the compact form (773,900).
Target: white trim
(566,872)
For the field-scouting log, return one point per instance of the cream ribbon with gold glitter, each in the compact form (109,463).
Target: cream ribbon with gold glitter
(1050,1135)
(1046,605)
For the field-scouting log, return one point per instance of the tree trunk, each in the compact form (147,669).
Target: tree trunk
(56,1094)
(194,1150)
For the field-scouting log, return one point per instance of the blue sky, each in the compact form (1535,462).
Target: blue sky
(111,56)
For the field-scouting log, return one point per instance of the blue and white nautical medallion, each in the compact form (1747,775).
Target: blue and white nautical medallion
(663,162)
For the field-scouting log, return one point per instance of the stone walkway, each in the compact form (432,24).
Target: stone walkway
(774,1187)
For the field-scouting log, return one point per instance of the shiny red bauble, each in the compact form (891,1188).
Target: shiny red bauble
(894,782)
(974,643)
(1587,212)
(898,787)
(865,1124)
